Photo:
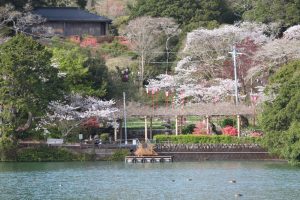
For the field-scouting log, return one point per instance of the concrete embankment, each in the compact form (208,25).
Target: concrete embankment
(181,152)
(202,152)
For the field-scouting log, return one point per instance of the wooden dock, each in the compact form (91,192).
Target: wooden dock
(148,159)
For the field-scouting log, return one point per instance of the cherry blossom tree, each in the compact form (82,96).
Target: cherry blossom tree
(21,22)
(145,34)
(205,72)
(208,49)
(75,111)
(275,53)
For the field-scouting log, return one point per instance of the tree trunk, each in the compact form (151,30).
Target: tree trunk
(27,125)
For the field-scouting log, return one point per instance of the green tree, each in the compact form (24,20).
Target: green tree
(280,118)
(286,12)
(19,4)
(82,72)
(27,82)
(188,13)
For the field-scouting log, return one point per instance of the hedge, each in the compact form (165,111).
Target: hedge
(207,139)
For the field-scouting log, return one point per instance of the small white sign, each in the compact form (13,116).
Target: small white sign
(80,136)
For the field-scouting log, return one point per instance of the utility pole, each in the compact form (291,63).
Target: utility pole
(234,54)
(167,49)
(125,122)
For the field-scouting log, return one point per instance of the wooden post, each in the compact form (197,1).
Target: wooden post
(150,136)
(176,125)
(207,125)
(238,125)
(146,129)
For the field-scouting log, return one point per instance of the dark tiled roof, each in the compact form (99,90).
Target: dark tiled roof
(68,14)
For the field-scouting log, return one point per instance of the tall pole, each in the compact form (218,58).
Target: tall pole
(125,122)
(146,129)
(167,49)
(234,54)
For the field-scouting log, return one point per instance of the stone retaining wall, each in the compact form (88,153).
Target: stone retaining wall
(203,152)
(170,147)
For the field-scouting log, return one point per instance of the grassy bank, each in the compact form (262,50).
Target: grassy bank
(49,154)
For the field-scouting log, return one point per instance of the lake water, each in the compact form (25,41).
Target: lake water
(182,180)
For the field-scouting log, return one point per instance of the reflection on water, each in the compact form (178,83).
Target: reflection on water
(182,180)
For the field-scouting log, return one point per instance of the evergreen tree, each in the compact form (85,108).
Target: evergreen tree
(286,12)
(28,82)
(280,118)
(83,73)
(188,13)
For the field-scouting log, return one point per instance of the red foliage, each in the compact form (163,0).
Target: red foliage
(246,60)
(91,123)
(124,41)
(229,130)
(200,129)
(89,41)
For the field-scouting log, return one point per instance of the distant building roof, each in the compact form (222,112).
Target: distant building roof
(68,14)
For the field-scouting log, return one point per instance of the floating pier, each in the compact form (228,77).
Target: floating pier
(148,159)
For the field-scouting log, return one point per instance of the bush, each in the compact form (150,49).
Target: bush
(207,139)
(200,129)
(228,122)
(120,155)
(7,149)
(188,129)
(114,48)
(104,137)
(229,130)
(41,154)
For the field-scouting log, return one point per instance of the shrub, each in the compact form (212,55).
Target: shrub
(104,137)
(7,149)
(119,155)
(227,122)
(114,48)
(229,130)
(200,129)
(46,154)
(188,129)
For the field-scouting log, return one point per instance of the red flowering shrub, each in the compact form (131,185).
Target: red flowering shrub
(89,41)
(91,123)
(200,129)
(229,130)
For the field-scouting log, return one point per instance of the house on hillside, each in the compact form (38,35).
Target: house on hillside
(72,21)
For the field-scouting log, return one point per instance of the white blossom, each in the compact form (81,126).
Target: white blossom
(78,108)
(292,33)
